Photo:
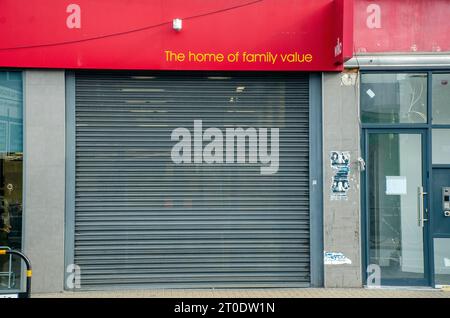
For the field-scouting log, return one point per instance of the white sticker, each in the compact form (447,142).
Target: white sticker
(396,185)
(370,93)
(9,296)
(336,258)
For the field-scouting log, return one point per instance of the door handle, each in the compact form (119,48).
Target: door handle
(421,216)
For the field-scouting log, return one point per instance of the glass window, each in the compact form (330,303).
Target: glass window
(394,98)
(441,98)
(442,261)
(395,175)
(11,167)
(441,146)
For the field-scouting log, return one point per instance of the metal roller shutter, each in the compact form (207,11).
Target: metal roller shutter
(142,220)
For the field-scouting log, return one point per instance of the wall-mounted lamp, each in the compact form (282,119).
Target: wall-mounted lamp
(177,24)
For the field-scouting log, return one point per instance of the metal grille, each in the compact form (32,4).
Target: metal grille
(142,220)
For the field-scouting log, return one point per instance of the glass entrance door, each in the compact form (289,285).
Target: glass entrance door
(397,205)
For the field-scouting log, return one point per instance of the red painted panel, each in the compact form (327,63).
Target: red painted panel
(135,34)
(343,30)
(402,26)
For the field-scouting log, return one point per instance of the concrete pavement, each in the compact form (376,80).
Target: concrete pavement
(256,293)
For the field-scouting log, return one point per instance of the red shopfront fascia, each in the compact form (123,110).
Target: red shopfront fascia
(244,35)
(401,26)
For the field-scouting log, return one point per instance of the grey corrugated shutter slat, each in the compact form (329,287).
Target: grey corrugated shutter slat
(143,221)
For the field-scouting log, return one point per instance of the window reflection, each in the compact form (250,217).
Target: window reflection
(394,98)
(441,98)
(442,261)
(441,146)
(11,167)
(394,174)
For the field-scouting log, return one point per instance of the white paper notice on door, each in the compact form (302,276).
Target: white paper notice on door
(396,185)
(447,262)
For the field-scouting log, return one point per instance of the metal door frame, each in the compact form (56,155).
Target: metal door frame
(427,281)
(428,127)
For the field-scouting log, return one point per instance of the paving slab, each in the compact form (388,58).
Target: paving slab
(255,293)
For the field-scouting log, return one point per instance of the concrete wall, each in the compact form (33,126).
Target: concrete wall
(342,217)
(44,170)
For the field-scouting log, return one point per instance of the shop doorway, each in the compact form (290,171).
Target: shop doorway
(397,205)
(406,186)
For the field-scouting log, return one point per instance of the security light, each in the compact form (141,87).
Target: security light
(177,24)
